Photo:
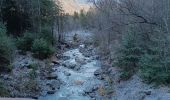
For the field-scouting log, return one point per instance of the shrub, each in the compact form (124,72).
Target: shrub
(3,91)
(129,55)
(75,37)
(154,67)
(41,49)
(6,49)
(24,43)
(31,86)
(46,34)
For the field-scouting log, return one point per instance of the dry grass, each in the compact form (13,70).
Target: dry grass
(102,90)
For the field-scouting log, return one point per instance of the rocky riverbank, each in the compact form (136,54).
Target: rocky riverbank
(29,78)
(78,71)
(134,88)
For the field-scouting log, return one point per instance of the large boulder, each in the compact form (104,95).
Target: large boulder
(98,72)
(70,64)
(80,60)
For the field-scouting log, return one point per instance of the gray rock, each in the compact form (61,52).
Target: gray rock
(92,95)
(69,64)
(51,91)
(80,60)
(90,90)
(65,58)
(100,77)
(67,73)
(6,77)
(56,62)
(52,76)
(147,92)
(98,72)
(77,67)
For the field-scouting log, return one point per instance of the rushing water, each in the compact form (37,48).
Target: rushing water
(73,86)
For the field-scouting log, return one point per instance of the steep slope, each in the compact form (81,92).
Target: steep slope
(71,6)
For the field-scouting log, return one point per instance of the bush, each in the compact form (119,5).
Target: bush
(47,35)
(3,91)
(24,43)
(6,49)
(154,66)
(129,55)
(75,37)
(41,49)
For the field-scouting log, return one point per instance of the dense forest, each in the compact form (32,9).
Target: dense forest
(132,36)
(27,25)
(135,36)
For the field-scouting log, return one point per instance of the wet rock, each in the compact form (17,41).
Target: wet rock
(52,76)
(69,64)
(6,77)
(147,92)
(98,72)
(51,92)
(77,67)
(67,73)
(56,62)
(80,60)
(65,58)
(35,97)
(92,95)
(54,84)
(26,63)
(52,64)
(100,77)
(90,90)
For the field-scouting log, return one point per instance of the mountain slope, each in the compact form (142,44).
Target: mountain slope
(71,6)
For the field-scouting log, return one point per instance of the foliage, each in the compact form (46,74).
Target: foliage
(154,64)
(47,35)
(75,37)
(24,43)
(129,55)
(23,15)
(83,18)
(41,49)
(31,86)
(6,49)
(3,92)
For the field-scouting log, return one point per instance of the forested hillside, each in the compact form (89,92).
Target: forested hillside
(135,36)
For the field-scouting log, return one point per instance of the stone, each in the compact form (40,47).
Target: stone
(52,76)
(89,90)
(51,92)
(65,58)
(56,62)
(147,92)
(100,77)
(92,95)
(98,72)
(82,46)
(67,73)
(80,60)
(69,64)
(77,67)
(35,97)
(6,77)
